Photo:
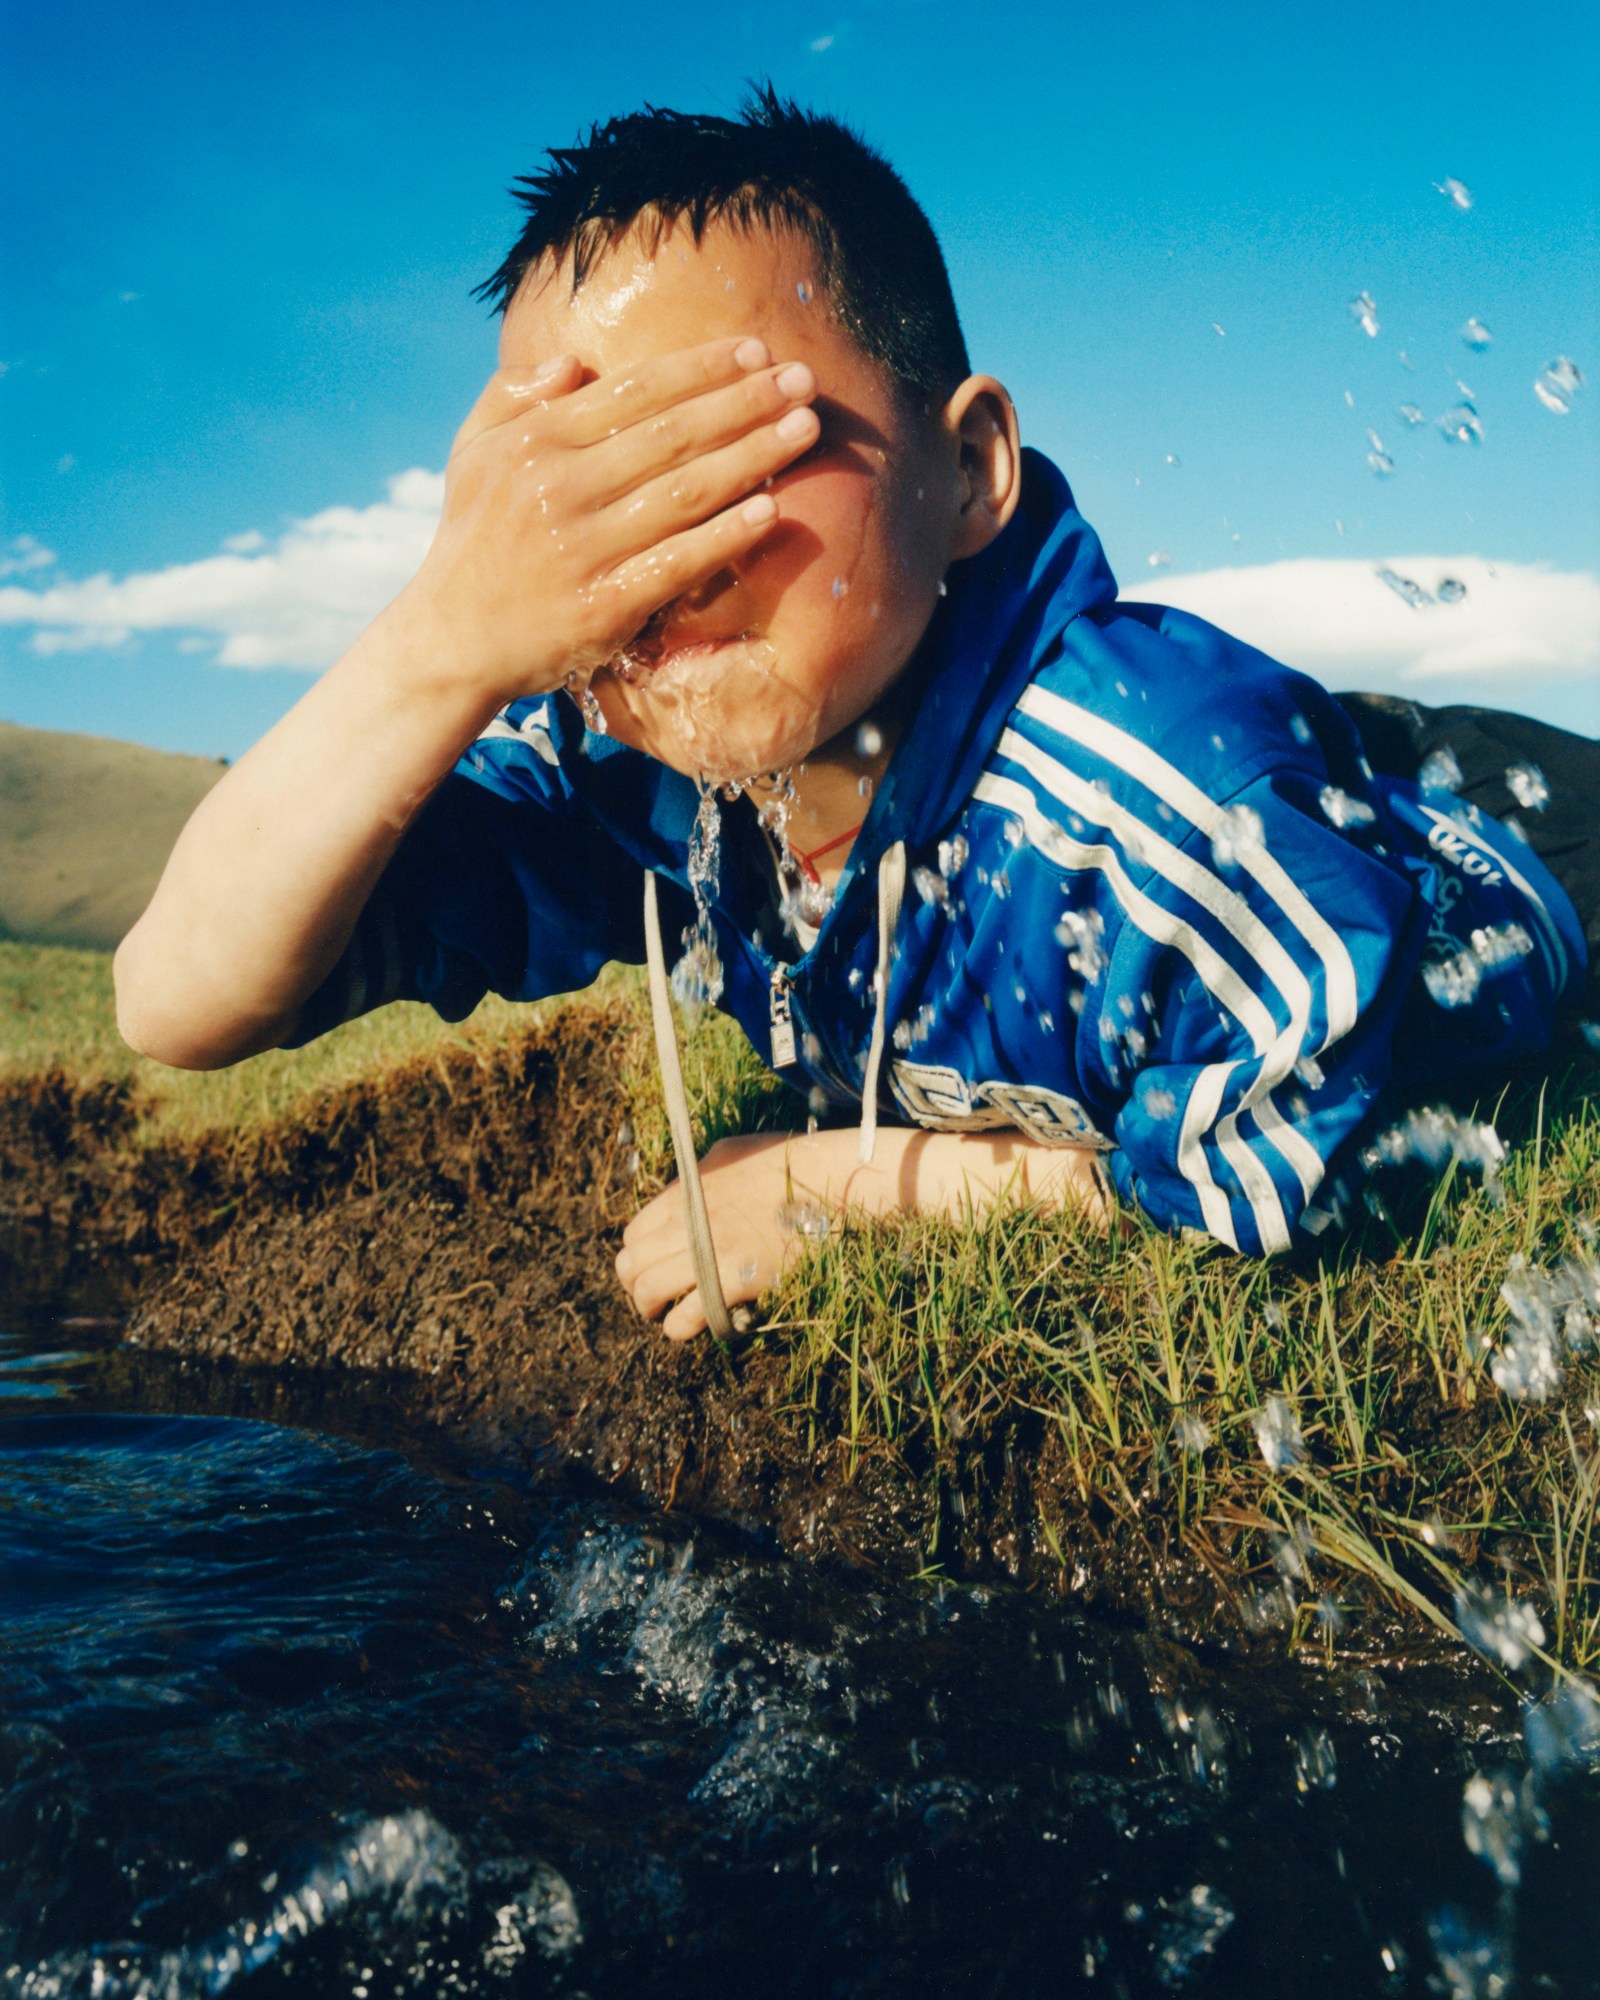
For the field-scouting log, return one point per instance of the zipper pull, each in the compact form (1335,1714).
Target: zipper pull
(783,1049)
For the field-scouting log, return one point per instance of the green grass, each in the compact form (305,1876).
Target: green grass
(1103,1355)
(1095,1356)
(58,1012)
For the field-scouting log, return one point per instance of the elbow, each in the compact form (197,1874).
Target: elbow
(157,1019)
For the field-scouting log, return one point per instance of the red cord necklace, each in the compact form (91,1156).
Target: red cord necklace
(808,861)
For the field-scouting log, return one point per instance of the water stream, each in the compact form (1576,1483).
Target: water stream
(287,1706)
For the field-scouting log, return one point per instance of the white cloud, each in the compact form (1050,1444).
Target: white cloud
(297,601)
(1340,621)
(23,553)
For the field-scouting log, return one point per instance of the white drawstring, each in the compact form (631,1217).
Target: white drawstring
(891,891)
(701,1250)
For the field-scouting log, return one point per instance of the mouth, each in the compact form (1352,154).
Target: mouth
(668,639)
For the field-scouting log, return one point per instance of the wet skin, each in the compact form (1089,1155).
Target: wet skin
(797,637)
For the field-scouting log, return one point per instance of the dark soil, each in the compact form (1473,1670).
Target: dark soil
(445,1235)
(434,1249)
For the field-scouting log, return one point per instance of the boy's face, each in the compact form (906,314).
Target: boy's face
(794,642)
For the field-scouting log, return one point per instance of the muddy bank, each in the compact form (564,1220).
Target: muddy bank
(444,1235)
(436,1245)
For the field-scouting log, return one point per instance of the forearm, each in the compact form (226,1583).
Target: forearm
(268,878)
(945,1173)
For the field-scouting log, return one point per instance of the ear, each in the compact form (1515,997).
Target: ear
(982,420)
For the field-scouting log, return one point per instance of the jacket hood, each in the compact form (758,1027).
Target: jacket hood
(1005,612)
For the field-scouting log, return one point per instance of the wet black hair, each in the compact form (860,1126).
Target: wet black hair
(878,262)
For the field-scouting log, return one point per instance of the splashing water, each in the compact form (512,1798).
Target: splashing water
(1240,836)
(582,692)
(1457,193)
(1503,1629)
(1364,311)
(1526,783)
(1411,415)
(1440,772)
(801,897)
(1556,385)
(807,1219)
(1562,1731)
(1403,588)
(1461,424)
(1498,1816)
(1378,460)
(1436,1136)
(1079,933)
(1193,1433)
(1342,809)
(1278,1434)
(697,976)
(1476,335)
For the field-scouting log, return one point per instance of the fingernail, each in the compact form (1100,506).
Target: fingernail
(797,424)
(796,379)
(751,354)
(761,508)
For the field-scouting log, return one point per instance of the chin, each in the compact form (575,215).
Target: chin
(721,711)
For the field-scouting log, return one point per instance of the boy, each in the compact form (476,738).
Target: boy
(1084,896)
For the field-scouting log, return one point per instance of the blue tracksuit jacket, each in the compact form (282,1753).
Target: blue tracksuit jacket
(1158,905)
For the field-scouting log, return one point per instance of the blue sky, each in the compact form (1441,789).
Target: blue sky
(240,245)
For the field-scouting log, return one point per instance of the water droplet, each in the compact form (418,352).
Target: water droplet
(869,739)
(1342,809)
(1453,981)
(1412,415)
(1159,559)
(840,587)
(1457,193)
(1173,458)
(1440,772)
(1278,1434)
(1526,783)
(1240,836)
(1192,1432)
(802,292)
(1461,425)
(1378,459)
(1497,1816)
(804,1218)
(944,588)
(1477,335)
(1364,311)
(1556,385)
(864,787)
(1403,587)
(1220,331)
(1451,590)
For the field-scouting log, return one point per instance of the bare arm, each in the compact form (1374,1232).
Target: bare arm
(749,1182)
(571,514)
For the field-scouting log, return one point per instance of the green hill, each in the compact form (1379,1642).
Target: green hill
(85,825)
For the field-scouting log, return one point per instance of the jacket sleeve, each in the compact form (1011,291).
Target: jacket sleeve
(505,884)
(1273,951)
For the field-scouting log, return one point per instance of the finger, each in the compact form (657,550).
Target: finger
(512,392)
(680,499)
(657,1283)
(615,402)
(684,434)
(686,1319)
(645,582)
